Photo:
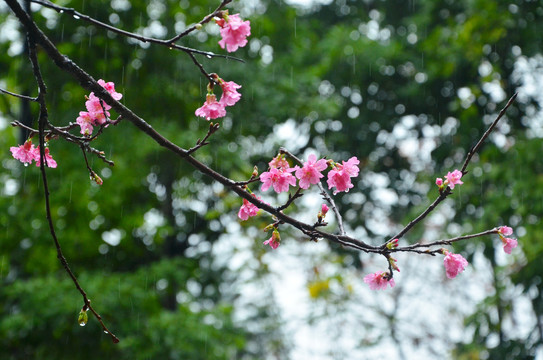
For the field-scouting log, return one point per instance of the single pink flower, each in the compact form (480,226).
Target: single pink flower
(24,153)
(439,182)
(454,264)
(212,109)
(279,178)
(505,230)
(379,280)
(248,209)
(453,178)
(85,122)
(340,179)
(110,87)
(230,95)
(310,173)
(509,244)
(274,241)
(351,166)
(234,32)
(48,158)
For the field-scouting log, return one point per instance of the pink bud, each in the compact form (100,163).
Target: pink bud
(324,209)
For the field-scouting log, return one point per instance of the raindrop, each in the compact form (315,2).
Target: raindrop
(77,17)
(82,324)
(106,332)
(209,56)
(61,11)
(26,164)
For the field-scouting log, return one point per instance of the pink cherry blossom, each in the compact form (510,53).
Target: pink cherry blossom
(310,173)
(212,109)
(96,108)
(454,264)
(110,87)
(439,182)
(505,230)
(509,244)
(340,175)
(279,162)
(340,179)
(379,280)
(48,158)
(274,241)
(234,32)
(351,166)
(84,120)
(230,95)
(24,153)
(279,178)
(248,209)
(453,178)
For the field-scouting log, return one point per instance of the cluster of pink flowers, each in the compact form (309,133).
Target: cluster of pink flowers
(279,175)
(508,243)
(379,280)
(97,110)
(234,31)
(451,179)
(27,153)
(341,174)
(213,109)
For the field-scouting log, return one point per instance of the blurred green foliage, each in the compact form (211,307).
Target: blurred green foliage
(356,77)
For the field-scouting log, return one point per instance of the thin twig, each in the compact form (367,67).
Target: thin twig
(443,195)
(202,22)
(167,43)
(213,127)
(42,121)
(29,98)
(443,242)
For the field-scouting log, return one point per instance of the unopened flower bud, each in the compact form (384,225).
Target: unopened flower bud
(83,318)
(393,244)
(198,26)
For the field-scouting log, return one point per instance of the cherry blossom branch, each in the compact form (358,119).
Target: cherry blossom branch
(24,97)
(42,121)
(88,83)
(413,247)
(168,43)
(447,191)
